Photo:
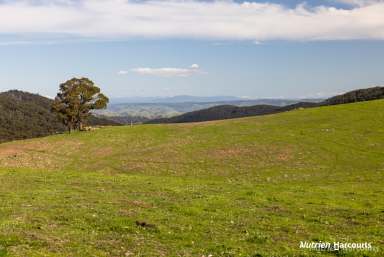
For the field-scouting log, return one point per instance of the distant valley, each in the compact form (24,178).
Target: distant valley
(221,112)
(156,108)
(194,109)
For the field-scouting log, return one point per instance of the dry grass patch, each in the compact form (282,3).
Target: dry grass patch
(37,153)
(253,154)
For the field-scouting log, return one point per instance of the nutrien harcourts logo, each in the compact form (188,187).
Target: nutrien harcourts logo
(336,246)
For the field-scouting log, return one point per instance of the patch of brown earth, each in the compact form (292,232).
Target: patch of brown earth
(36,153)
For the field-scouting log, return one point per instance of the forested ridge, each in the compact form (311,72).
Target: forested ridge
(25,115)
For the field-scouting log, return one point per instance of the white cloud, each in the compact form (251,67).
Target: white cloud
(195,66)
(360,2)
(27,42)
(218,20)
(122,72)
(168,72)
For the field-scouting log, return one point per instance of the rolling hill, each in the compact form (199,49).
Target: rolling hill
(25,115)
(169,107)
(358,95)
(253,186)
(221,112)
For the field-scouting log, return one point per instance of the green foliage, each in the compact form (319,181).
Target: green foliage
(77,97)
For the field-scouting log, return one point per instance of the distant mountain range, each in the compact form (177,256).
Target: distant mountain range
(153,110)
(175,99)
(230,111)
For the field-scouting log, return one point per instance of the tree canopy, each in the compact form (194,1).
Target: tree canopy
(75,101)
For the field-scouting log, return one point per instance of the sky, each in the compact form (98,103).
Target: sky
(255,49)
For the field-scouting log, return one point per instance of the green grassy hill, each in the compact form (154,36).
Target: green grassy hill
(246,187)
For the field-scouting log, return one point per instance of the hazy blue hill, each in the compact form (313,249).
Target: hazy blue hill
(174,99)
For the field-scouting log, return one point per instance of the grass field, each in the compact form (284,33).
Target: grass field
(246,187)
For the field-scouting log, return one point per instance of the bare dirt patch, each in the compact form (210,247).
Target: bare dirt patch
(36,153)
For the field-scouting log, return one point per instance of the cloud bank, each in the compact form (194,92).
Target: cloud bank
(166,72)
(360,2)
(224,20)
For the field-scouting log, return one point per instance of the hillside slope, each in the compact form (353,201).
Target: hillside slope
(25,115)
(359,95)
(230,111)
(254,186)
(223,112)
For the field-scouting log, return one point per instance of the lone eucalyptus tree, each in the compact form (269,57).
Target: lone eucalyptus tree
(75,100)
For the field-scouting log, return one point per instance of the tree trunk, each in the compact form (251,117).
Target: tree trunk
(69,128)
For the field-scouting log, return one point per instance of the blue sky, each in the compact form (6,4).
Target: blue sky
(267,49)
